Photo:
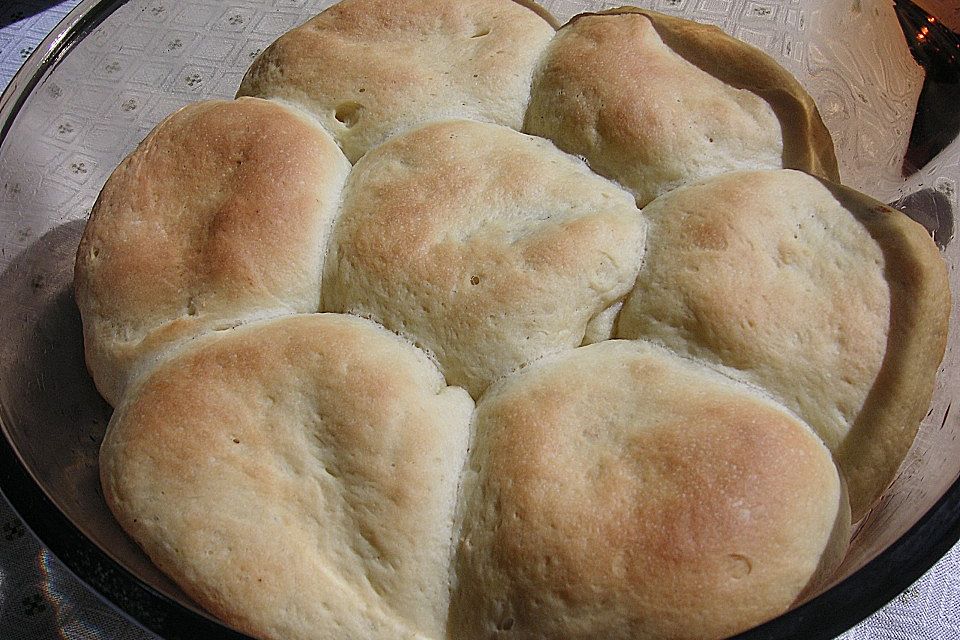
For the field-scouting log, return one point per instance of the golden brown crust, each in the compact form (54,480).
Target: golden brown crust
(655,102)
(221,213)
(618,491)
(833,303)
(807,145)
(916,340)
(371,69)
(484,246)
(296,477)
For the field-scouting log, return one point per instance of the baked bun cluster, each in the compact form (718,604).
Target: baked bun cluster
(459,324)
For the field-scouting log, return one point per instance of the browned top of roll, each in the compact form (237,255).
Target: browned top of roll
(618,491)
(221,213)
(834,303)
(370,69)
(297,477)
(655,102)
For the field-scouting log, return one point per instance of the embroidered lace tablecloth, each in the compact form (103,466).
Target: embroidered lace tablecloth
(40,599)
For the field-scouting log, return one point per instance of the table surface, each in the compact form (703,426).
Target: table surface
(41,599)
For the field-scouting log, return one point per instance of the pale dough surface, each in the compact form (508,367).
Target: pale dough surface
(487,247)
(370,69)
(297,477)
(832,302)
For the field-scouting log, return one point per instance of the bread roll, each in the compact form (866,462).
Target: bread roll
(766,337)
(834,303)
(220,215)
(296,477)
(620,492)
(484,246)
(370,69)
(655,102)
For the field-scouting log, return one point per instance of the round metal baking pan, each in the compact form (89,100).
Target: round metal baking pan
(114,68)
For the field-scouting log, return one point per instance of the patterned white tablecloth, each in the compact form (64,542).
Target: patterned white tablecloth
(39,599)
